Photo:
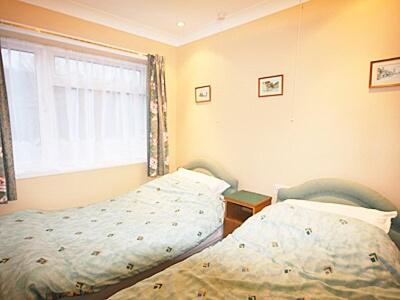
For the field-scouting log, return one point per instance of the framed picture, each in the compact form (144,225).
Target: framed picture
(270,86)
(385,72)
(203,94)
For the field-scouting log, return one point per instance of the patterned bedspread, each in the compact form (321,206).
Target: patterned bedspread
(45,255)
(285,252)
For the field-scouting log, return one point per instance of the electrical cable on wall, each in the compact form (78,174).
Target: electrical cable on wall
(296,59)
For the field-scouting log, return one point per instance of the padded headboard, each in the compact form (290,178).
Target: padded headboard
(210,167)
(334,190)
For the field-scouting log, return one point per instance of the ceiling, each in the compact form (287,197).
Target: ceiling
(156,19)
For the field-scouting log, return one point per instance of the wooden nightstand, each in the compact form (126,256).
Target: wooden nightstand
(240,206)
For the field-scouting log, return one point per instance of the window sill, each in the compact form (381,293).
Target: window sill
(28,175)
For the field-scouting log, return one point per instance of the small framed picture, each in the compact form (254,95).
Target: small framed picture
(270,86)
(384,73)
(203,94)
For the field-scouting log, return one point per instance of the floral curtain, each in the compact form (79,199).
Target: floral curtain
(8,189)
(157,150)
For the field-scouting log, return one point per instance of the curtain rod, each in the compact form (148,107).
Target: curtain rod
(62,35)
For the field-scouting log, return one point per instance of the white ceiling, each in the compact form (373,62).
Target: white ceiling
(156,19)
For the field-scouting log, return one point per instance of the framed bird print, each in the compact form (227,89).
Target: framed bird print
(270,86)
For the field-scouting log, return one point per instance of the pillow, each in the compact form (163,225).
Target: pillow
(378,218)
(216,185)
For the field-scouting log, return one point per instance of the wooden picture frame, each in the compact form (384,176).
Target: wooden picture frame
(270,86)
(202,94)
(384,73)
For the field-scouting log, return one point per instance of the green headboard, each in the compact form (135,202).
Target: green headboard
(211,167)
(335,190)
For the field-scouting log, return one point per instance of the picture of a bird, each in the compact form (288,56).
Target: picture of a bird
(270,86)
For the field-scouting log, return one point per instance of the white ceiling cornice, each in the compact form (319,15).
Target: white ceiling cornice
(87,13)
(242,17)
(75,9)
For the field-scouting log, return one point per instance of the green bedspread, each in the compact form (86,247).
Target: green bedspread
(46,255)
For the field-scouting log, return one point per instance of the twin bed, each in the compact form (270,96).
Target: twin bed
(286,251)
(98,249)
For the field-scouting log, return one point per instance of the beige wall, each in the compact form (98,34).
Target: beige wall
(327,123)
(75,189)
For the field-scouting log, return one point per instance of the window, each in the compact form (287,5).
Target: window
(73,111)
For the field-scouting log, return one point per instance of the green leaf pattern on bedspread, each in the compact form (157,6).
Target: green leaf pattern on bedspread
(46,255)
(285,252)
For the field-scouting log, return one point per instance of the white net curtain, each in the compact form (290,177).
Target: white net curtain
(73,111)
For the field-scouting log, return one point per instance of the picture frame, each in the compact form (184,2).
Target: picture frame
(203,94)
(384,73)
(270,86)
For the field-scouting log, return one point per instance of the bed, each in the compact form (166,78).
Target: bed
(100,248)
(288,251)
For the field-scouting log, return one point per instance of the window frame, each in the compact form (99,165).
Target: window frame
(37,49)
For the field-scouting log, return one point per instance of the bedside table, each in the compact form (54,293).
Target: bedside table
(240,206)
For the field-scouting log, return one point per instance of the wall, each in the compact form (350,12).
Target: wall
(327,123)
(75,189)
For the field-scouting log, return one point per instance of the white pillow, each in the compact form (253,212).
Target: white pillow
(216,185)
(381,219)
